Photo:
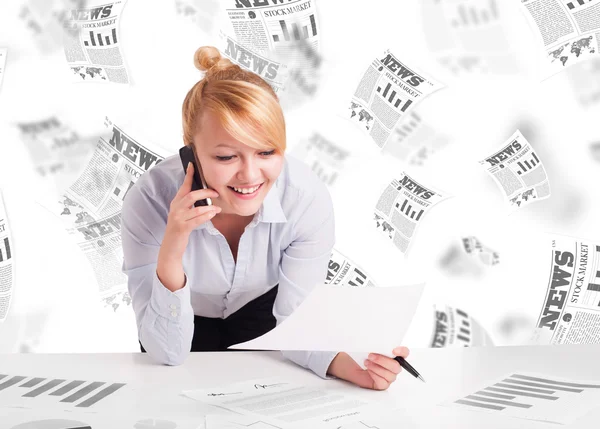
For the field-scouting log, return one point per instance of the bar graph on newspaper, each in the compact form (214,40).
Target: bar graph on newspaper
(101,39)
(20,390)
(593,287)
(289,31)
(575,4)
(534,397)
(393,98)
(474,13)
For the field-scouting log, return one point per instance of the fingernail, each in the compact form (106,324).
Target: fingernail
(367,362)
(211,214)
(371,356)
(188,166)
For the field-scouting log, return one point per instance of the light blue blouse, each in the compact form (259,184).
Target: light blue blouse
(289,242)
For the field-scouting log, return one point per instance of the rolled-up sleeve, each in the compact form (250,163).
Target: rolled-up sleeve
(165,319)
(304,266)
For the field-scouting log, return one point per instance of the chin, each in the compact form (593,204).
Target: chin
(246,211)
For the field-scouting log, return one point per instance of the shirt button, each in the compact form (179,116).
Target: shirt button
(174,314)
(173,307)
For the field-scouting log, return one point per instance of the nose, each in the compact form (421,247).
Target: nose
(249,172)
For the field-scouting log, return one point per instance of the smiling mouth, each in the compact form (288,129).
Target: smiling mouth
(246,190)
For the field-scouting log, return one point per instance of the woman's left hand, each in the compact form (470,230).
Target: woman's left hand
(381,371)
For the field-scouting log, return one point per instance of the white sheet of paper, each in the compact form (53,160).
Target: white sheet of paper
(220,421)
(344,319)
(283,404)
(394,419)
(533,396)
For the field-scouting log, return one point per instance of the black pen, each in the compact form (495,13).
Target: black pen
(409,368)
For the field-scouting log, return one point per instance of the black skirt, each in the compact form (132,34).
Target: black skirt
(251,321)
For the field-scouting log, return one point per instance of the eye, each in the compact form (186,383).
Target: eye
(225,158)
(269,153)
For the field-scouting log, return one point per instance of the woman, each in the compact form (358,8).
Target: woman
(204,278)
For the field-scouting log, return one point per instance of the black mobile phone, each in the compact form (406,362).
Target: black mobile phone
(187,155)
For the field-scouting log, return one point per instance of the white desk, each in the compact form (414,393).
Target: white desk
(448,372)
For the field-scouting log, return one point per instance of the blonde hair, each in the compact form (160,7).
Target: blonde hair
(247,107)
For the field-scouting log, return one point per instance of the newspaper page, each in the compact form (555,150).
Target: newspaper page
(273,72)
(326,158)
(468,36)
(475,248)
(3,53)
(401,207)
(92,44)
(7,269)
(202,13)
(91,206)
(455,328)
(518,171)
(385,93)
(568,29)
(570,312)
(341,271)
(57,151)
(274,27)
(414,141)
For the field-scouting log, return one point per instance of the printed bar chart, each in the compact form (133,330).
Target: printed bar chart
(520,391)
(43,389)
(528,164)
(300,31)
(465,327)
(392,97)
(7,255)
(472,16)
(576,3)
(358,278)
(82,394)
(408,211)
(99,37)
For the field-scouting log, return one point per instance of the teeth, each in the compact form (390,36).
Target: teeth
(246,190)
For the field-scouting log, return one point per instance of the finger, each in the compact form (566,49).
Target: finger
(194,212)
(379,383)
(200,194)
(384,373)
(186,187)
(199,220)
(401,351)
(387,362)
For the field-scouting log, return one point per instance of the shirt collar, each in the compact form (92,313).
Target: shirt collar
(270,210)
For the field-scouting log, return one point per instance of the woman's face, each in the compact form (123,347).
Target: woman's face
(241,175)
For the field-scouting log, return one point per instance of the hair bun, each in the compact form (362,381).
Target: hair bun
(207,57)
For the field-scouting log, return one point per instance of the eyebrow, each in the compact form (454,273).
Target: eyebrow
(224,145)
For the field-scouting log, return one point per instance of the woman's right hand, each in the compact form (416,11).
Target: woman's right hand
(184,217)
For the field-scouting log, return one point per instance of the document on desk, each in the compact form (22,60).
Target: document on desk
(7,268)
(282,404)
(357,320)
(534,397)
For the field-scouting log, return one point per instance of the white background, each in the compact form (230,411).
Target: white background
(56,306)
